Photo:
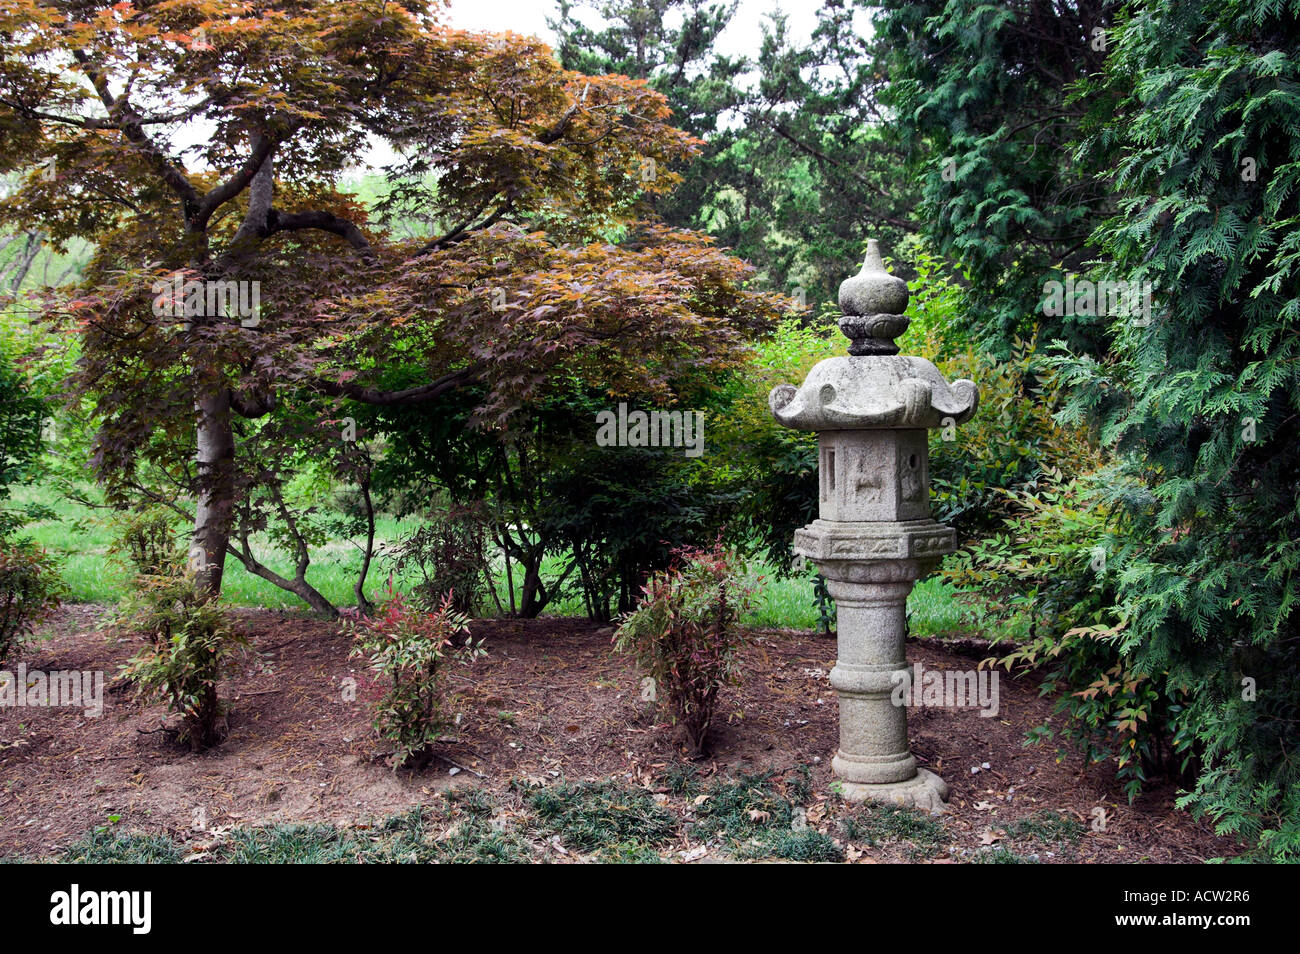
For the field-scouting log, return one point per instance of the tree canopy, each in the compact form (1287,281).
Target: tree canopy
(206,141)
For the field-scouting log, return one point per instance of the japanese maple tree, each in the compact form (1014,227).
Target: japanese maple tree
(208,142)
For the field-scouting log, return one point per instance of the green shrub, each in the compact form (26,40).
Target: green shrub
(409,650)
(684,634)
(448,554)
(30,587)
(571,520)
(30,590)
(1057,562)
(21,415)
(157,606)
(1012,446)
(1046,562)
(1014,443)
(145,539)
(774,466)
(189,649)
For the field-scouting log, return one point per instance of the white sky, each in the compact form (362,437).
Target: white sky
(742,37)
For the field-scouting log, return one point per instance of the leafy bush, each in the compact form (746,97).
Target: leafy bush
(160,605)
(30,589)
(569,518)
(21,415)
(1014,443)
(775,466)
(189,648)
(684,635)
(621,511)
(410,650)
(1055,562)
(450,554)
(146,539)
(1047,560)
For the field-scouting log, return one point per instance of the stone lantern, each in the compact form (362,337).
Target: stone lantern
(874,537)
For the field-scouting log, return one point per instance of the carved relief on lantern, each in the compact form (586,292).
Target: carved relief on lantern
(873,475)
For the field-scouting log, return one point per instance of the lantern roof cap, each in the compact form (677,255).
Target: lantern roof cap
(873,391)
(875,386)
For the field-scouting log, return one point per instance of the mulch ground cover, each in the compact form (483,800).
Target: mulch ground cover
(551,704)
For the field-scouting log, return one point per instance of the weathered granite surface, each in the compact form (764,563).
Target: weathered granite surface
(874,537)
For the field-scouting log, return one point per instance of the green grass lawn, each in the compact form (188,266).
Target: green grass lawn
(81,537)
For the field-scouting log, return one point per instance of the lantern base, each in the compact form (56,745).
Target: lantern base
(926,791)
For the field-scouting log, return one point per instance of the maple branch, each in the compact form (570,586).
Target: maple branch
(465,228)
(180,115)
(106,122)
(83,122)
(278,221)
(251,405)
(130,126)
(555,132)
(260,196)
(263,146)
(456,231)
(198,208)
(416,395)
(263,219)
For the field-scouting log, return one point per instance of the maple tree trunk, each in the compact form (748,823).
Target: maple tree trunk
(297,586)
(363,603)
(216,498)
(533,598)
(305,592)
